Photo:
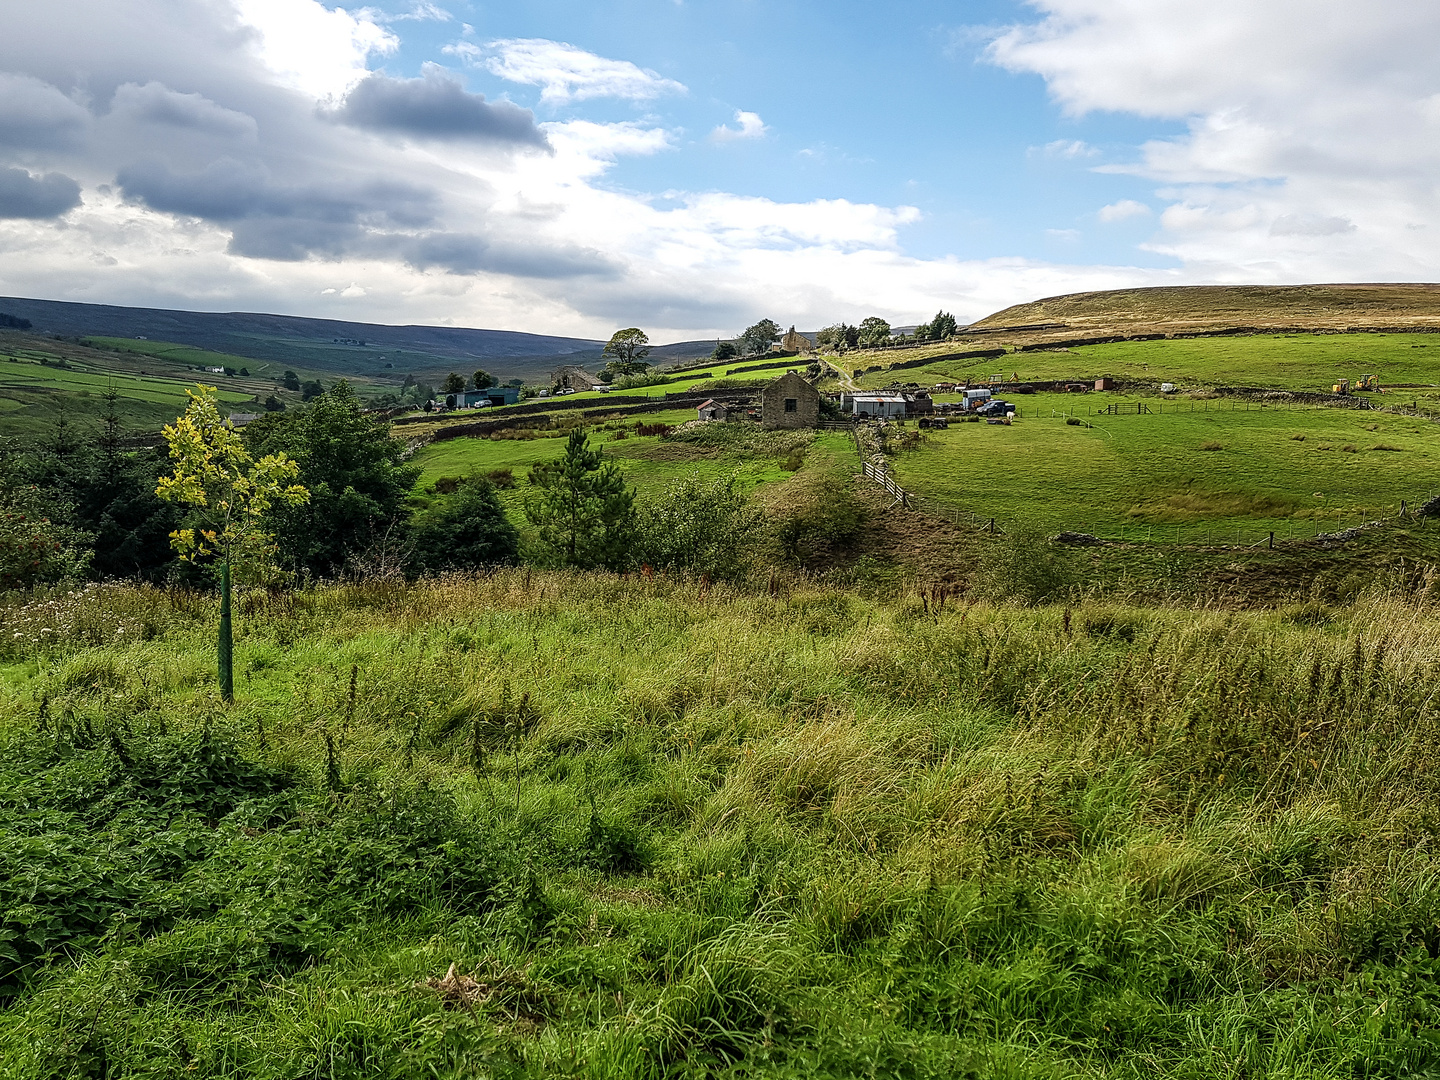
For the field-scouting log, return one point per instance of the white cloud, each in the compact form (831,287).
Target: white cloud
(564,72)
(748,126)
(1066,148)
(1123,210)
(1065,236)
(319,51)
(1313,126)
(420,11)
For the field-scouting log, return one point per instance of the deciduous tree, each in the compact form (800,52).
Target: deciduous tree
(229,495)
(760,337)
(874,331)
(627,350)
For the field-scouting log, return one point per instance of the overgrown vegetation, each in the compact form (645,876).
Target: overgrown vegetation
(796,832)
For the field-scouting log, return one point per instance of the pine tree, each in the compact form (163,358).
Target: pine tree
(585,514)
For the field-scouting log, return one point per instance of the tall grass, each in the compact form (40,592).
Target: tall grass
(673,829)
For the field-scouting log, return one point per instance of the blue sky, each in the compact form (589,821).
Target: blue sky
(885,103)
(690,167)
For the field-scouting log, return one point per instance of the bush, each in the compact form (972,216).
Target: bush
(821,520)
(468,532)
(696,528)
(1025,568)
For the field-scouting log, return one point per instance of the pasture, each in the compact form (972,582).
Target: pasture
(1308,362)
(1179,475)
(648,462)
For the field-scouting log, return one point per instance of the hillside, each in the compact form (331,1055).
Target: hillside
(1207,307)
(323,345)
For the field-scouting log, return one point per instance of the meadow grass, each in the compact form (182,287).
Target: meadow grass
(675,830)
(1197,469)
(647,462)
(1309,362)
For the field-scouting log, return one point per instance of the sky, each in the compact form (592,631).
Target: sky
(692,166)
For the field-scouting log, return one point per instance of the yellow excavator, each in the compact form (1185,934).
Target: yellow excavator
(1369,383)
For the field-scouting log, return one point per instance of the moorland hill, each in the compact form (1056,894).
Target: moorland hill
(1198,308)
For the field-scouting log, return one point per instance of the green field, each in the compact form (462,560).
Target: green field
(1179,474)
(647,463)
(1309,362)
(186,355)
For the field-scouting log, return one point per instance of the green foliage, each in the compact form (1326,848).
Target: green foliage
(819,522)
(227,494)
(354,470)
(291,381)
(34,550)
(874,331)
(697,528)
(797,832)
(627,350)
(1025,567)
(839,337)
(312,389)
(724,350)
(943,326)
(482,380)
(758,338)
(454,383)
(468,531)
(583,510)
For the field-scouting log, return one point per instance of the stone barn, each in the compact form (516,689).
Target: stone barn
(789,402)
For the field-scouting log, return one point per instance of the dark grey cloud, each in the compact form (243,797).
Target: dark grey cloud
(34,114)
(467,253)
(228,190)
(156,103)
(270,220)
(436,106)
(26,196)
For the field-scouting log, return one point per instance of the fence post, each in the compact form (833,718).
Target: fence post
(1272,539)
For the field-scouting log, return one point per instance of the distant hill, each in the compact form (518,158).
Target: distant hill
(317,344)
(1179,309)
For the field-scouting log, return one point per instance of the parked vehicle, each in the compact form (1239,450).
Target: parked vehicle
(994,407)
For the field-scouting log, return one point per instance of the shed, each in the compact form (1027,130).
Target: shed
(880,406)
(789,402)
(1105,383)
(710,409)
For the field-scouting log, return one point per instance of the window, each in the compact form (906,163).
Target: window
(791,404)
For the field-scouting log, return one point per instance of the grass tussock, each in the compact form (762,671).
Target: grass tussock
(546,824)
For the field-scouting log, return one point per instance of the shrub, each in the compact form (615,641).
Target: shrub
(696,528)
(819,521)
(469,531)
(1025,568)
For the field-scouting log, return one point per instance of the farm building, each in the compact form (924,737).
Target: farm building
(710,409)
(479,399)
(789,402)
(796,343)
(879,406)
(574,378)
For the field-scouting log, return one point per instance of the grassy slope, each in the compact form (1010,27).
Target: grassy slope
(706,833)
(647,463)
(1290,470)
(1310,362)
(1189,307)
